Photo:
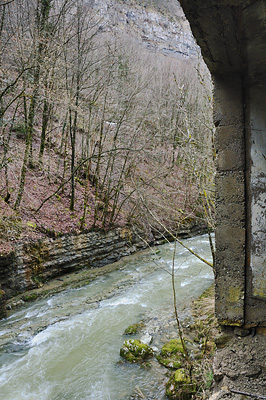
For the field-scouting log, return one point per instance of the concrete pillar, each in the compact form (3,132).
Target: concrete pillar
(255,310)
(232,37)
(230,199)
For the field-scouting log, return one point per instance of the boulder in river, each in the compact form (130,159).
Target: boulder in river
(134,350)
(135,328)
(180,386)
(172,354)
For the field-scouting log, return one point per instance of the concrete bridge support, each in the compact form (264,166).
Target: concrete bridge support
(232,37)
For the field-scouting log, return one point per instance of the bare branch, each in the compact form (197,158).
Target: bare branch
(6,3)
(257,396)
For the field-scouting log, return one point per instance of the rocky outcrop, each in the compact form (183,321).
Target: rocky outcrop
(158,29)
(30,264)
(33,263)
(2,304)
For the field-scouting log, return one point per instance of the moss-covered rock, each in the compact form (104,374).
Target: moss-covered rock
(135,351)
(133,329)
(180,386)
(29,296)
(170,362)
(174,346)
(172,354)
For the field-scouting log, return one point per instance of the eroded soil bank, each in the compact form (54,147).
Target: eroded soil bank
(240,366)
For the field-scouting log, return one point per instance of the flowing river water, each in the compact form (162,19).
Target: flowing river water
(66,346)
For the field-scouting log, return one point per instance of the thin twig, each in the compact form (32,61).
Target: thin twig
(174,236)
(140,393)
(73,173)
(180,331)
(257,396)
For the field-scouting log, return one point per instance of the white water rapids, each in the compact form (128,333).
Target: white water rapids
(66,347)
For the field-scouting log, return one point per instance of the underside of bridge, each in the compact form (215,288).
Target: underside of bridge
(232,37)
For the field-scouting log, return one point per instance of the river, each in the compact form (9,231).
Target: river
(66,346)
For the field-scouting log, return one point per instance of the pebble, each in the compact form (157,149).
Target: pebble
(147,339)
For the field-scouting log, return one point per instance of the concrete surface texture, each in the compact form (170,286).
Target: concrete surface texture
(232,37)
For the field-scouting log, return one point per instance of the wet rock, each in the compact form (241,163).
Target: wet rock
(16,304)
(180,386)
(135,351)
(135,328)
(147,339)
(172,354)
(155,349)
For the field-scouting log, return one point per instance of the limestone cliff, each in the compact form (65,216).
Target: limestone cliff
(160,27)
(31,264)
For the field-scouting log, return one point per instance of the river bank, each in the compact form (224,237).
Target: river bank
(200,329)
(72,280)
(32,264)
(239,361)
(83,329)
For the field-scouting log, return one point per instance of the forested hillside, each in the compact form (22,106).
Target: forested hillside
(105,118)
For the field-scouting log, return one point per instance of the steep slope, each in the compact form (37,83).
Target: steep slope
(135,137)
(160,27)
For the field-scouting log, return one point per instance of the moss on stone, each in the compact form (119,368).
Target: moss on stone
(235,294)
(181,376)
(29,297)
(135,351)
(172,363)
(174,346)
(172,354)
(180,386)
(133,329)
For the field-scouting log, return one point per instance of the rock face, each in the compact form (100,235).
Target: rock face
(164,30)
(33,263)
(30,264)
(2,304)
